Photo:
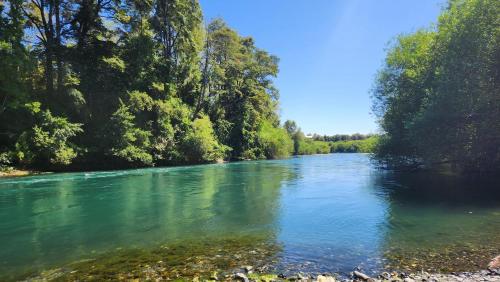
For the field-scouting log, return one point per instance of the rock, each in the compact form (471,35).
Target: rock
(495,271)
(407,279)
(385,275)
(361,275)
(241,277)
(323,278)
(494,263)
(248,268)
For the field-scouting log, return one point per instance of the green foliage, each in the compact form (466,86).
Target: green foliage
(48,141)
(6,161)
(200,144)
(341,137)
(311,147)
(437,96)
(291,127)
(147,83)
(355,146)
(130,142)
(276,143)
(140,101)
(242,94)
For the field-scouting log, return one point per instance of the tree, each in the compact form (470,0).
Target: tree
(51,21)
(290,127)
(131,143)
(144,77)
(15,68)
(178,30)
(438,97)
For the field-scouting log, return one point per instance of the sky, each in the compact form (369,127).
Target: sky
(329,50)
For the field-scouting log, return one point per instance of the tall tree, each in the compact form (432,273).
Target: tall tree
(178,28)
(51,21)
(438,95)
(16,64)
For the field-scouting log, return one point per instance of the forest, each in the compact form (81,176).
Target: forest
(99,84)
(127,83)
(437,96)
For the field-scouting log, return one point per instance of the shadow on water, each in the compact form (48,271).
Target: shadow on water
(427,188)
(49,222)
(440,222)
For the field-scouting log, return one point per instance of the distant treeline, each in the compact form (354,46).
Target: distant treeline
(438,95)
(322,144)
(341,137)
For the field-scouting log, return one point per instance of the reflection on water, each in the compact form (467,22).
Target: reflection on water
(49,220)
(440,223)
(326,213)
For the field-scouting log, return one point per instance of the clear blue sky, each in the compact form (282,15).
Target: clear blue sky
(329,50)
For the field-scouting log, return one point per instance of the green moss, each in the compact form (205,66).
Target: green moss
(182,262)
(262,277)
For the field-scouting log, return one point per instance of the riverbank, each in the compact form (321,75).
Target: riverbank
(484,275)
(246,274)
(18,173)
(231,261)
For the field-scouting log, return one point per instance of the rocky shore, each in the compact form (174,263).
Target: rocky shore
(250,274)
(243,259)
(357,276)
(247,274)
(16,173)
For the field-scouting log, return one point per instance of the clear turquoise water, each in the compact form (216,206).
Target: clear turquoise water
(328,212)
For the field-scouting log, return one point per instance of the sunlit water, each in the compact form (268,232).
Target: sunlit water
(327,212)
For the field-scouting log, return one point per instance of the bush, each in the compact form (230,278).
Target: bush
(200,144)
(355,146)
(48,140)
(275,141)
(311,147)
(5,161)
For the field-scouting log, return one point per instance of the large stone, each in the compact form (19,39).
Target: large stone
(495,263)
(241,277)
(323,278)
(361,275)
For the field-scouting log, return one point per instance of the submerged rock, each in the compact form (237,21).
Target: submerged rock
(241,277)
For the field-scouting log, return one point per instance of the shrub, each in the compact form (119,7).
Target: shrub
(275,141)
(200,144)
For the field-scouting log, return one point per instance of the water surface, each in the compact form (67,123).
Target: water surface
(327,213)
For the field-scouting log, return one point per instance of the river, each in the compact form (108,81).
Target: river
(322,213)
